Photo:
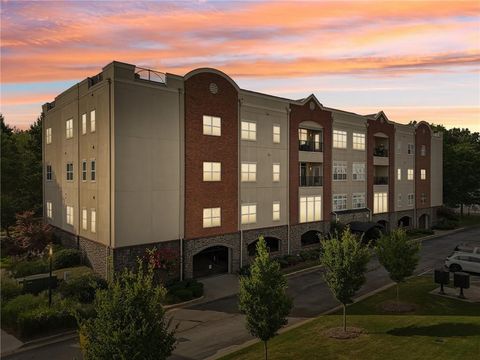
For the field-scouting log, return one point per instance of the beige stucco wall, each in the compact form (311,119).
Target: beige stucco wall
(404,135)
(265,112)
(148,160)
(436,168)
(350,123)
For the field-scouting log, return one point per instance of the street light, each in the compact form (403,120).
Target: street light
(50,255)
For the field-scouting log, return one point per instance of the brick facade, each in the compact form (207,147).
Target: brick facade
(199,101)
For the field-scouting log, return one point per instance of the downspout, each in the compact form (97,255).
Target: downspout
(288,179)
(181,182)
(239,193)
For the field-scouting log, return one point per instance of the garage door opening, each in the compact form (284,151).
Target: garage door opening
(273,245)
(211,261)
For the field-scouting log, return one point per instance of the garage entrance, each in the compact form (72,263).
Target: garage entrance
(211,261)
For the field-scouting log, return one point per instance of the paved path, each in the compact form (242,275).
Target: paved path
(207,328)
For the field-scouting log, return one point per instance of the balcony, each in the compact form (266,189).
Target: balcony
(311,181)
(380,151)
(380,180)
(310,145)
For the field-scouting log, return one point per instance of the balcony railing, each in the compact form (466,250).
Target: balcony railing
(305,145)
(311,180)
(380,151)
(380,180)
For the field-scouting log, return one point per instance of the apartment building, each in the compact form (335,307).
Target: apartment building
(134,158)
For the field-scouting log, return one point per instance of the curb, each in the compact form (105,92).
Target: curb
(304,271)
(41,342)
(179,305)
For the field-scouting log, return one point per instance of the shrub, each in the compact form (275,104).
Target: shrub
(413,232)
(184,290)
(37,285)
(66,258)
(30,267)
(447,213)
(30,233)
(10,288)
(308,255)
(445,224)
(45,319)
(83,287)
(12,309)
(244,270)
(293,260)
(282,261)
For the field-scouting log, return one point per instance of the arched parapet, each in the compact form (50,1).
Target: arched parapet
(212,71)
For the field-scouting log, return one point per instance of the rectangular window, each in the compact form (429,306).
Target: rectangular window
(423,198)
(358,171)
(84,170)
(358,200)
(339,139)
(92,121)
(339,202)
(410,174)
(380,203)
(212,171)
(212,217)
(70,215)
(93,221)
(410,199)
(69,171)
(339,170)
(423,174)
(276,134)
(423,150)
(410,149)
(276,172)
(399,147)
(93,170)
(84,123)
(276,211)
(249,172)
(399,174)
(358,141)
(399,200)
(84,219)
(212,125)
(48,135)
(69,129)
(249,130)
(49,209)
(310,208)
(49,172)
(249,214)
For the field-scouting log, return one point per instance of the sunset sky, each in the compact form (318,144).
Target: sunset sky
(415,60)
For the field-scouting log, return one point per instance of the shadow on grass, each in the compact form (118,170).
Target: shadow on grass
(438,330)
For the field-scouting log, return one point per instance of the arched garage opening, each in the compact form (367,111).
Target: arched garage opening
(311,237)
(211,261)
(424,221)
(404,222)
(273,245)
(384,224)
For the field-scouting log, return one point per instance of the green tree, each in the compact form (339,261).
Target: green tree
(398,255)
(130,321)
(263,298)
(345,262)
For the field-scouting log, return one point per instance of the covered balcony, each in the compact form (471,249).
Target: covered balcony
(380,150)
(311,174)
(310,140)
(380,175)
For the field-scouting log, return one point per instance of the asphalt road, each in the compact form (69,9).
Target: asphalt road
(207,328)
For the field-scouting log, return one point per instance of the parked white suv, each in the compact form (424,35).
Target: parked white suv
(463,261)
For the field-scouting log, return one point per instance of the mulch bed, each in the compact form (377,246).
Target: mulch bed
(401,307)
(338,333)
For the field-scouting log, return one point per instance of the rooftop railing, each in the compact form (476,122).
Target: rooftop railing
(150,75)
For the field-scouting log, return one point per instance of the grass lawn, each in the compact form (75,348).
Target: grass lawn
(74,271)
(439,328)
(470,220)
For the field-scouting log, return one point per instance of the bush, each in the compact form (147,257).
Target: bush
(66,258)
(82,288)
(30,267)
(244,270)
(282,261)
(447,213)
(308,255)
(10,288)
(183,291)
(293,260)
(444,224)
(45,319)
(414,232)
(23,303)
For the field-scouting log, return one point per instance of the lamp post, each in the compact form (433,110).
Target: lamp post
(50,253)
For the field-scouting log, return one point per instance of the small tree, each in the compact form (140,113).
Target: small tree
(263,298)
(30,234)
(345,262)
(130,321)
(398,255)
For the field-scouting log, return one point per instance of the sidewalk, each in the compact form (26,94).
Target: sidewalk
(9,343)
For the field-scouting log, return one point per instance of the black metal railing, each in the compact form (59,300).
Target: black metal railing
(95,79)
(380,180)
(380,151)
(305,145)
(311,180)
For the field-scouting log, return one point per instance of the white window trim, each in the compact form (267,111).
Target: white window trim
(362,175)
(84,219)
(248,134)
(342,165)
(399,174)
(210,218)
(410,199)
(380,202)
(93,121)
(337,197)
(93,161)
(276,174)
(69,130)
(209,172)
(355,196)
(67,172)
(276,136)
(84,162)
(313,203)
(48,136)
(47,172)
(247,216)
(250,176)
(209,128)
(49,210)
(360,146)
(423,174)
(399,200)
(84,123)
(276,211)
(410,146)
(410,174)
(93,220)
(70,215)
(337,144)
